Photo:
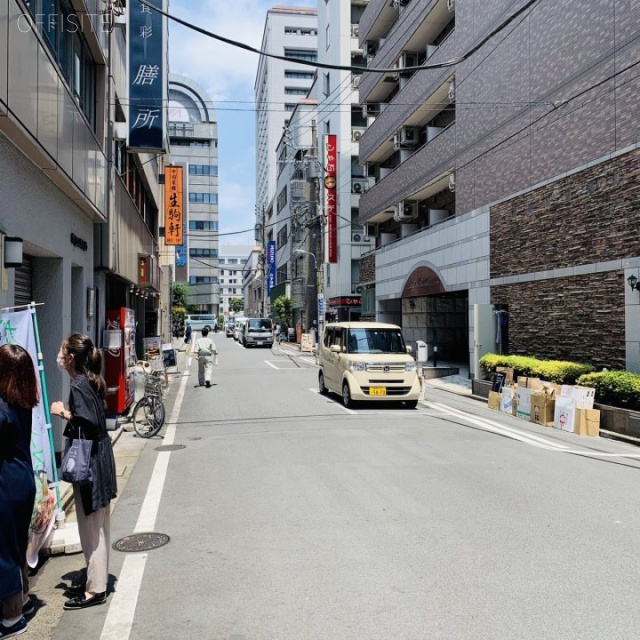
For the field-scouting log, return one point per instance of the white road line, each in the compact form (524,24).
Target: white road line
(122,607)
(528,438)
(350,411)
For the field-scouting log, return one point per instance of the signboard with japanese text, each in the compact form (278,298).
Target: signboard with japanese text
(173,207)
(146,55)
(181,253)
(331,202)
(271,265)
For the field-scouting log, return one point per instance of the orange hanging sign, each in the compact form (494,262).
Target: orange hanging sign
(173,206)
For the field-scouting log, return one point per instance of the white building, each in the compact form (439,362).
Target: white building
(290,32)
(231,262)
(193,135)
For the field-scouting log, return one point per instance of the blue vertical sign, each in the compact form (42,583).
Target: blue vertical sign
(271,265)
(181,250)
(147,83)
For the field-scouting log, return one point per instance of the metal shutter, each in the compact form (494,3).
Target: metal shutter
(23,282)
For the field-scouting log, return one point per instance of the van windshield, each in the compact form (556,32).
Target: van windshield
(375,341)
(259,324)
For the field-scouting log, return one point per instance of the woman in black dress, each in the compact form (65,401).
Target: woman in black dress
(85,418)
(18,396)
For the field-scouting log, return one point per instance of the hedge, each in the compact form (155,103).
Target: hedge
(556,371)
(615,388)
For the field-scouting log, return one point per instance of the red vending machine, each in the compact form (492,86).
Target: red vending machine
(119,361)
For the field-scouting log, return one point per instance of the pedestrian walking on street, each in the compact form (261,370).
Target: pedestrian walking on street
(86,419)
(205,350)
(187,336)
(18,396)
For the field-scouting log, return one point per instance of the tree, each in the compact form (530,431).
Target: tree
(179,308)
(283,308)
(180,293)
(236,304)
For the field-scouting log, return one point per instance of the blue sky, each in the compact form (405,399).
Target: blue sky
(228,74)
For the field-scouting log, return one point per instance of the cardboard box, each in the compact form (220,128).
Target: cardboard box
(507,401)
(584,396)
(543,406)
(529,383)
(587,422)
(508,374)
(494,400)
(523,402)
(564,415)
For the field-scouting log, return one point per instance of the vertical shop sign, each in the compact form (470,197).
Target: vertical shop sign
(271,265)
(173,206)
(331,155)
(146,30)
(181,250)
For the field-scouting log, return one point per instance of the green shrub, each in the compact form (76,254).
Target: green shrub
(615,388)
(556,371)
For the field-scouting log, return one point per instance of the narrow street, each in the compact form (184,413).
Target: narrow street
(290,517)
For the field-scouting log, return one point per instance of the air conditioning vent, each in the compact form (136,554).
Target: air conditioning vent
(355,81)
(356,237)
(355,30)
(359,186)
(357,288)
(405,210)
(356,134)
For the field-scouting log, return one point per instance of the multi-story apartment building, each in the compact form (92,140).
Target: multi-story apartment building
(253,284)
(506,201)
(193,135)
(86,210)
(231,261)
(290,32)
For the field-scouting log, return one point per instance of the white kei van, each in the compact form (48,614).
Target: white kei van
(367,361)
(257,332)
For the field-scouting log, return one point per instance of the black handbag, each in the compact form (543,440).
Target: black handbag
(76,462)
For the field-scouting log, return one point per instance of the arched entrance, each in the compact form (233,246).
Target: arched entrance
(438,317)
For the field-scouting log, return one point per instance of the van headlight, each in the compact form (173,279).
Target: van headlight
(352,365)
(410,366)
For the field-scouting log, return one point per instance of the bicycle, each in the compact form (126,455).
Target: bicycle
(149,413)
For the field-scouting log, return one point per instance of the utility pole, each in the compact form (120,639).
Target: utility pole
(313,244)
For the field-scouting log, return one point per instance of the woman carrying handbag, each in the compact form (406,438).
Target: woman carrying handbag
(86,421)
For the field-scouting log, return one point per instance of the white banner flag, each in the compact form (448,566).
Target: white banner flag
(17,328)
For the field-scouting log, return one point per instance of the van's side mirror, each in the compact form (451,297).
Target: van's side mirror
(335,348)
(409,349)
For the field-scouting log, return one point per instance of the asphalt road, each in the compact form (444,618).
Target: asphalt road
(292,518)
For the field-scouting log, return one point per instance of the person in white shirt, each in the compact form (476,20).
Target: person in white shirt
(205,351)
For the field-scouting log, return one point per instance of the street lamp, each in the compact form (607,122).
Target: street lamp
(320,292)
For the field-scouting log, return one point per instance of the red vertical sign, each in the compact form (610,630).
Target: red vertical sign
(331,155)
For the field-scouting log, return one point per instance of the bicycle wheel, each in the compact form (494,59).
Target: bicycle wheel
(148,416)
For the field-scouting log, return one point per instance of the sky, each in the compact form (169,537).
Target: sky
(228,75)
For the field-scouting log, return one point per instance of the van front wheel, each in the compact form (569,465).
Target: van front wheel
(346,396)
(323,390)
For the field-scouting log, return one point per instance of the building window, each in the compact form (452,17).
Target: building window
(203,280)
(61,28)
(203,170)
(203,225)
(299,75)
(282,199)
(203,198)
(203,253)
(289,107)
(301,54)
(182,142)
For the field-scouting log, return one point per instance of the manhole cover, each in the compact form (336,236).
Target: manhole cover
(141,542)
(170,447)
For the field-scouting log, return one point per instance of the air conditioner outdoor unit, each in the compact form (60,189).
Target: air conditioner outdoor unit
(371,110)
(358,186)
(452,181)
(355,30)
(372,230)
(405,211)
(356,237)
(356,134)
(452,91)
(356,288)
(408,136)
(355,81)
(451,5)
(408,59)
